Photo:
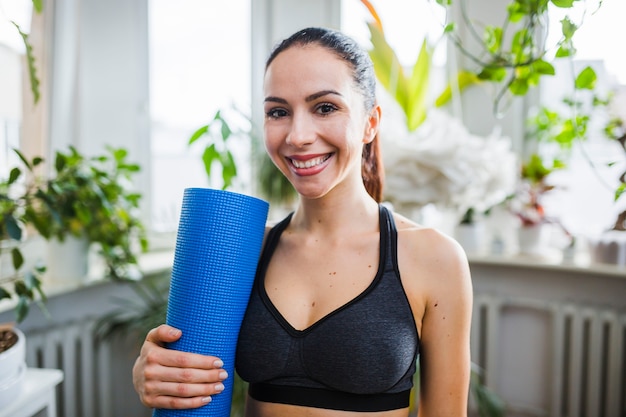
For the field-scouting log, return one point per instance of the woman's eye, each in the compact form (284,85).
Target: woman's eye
(326,108)
(276,113)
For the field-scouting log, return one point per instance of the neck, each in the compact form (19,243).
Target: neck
(336,212)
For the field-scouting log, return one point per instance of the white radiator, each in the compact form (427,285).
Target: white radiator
(543,359)
(574,354)
(97,378)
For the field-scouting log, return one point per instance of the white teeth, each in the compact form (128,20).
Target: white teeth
(309,163)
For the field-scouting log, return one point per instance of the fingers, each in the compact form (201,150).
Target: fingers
(167,378)
(176,395)
(163,334)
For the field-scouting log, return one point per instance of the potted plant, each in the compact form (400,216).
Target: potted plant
(15,283)
(16,280)
(610,246)
(90,198)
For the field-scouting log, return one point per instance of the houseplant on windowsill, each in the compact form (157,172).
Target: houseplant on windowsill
(91,198)
(610,246)
(527,205)
(18,283)
(17,280)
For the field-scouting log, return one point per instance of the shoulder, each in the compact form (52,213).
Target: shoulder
(432,264)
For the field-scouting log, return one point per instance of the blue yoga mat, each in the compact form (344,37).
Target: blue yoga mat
(220,234)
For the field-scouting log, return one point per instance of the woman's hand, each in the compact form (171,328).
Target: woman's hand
(167,378)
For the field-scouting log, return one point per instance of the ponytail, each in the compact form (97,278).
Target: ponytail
(372,170)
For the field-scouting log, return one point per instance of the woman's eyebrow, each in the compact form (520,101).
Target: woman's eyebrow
(275,100)
(322,93)
(309,98)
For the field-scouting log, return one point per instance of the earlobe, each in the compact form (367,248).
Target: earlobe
(372,125)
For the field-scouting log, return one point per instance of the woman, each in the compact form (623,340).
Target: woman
(348,295)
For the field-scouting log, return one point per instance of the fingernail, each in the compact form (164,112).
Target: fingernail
(174,332)
(219,387)
(218,363)
(223,375)
(206,399)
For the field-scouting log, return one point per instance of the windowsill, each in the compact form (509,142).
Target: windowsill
(554,261)
(150,264)
(160,262)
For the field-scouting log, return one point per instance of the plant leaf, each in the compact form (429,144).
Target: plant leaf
(4,294)
(621,190)
(374,13)
(12,227)
(30,58)
(209,155)
(463,80)
(586,79)
(387,67)
(38,5)
(563,3)
(198,133)
(418,89)
(17,258)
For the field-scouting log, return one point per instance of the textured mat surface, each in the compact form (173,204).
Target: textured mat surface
(218,244)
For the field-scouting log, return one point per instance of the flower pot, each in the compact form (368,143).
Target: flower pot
(533,240)
(471,237)
(67,261)
(609,248)
(13,368)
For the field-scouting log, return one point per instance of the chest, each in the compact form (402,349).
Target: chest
(306,282)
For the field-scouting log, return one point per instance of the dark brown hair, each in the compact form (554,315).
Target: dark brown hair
(365,80)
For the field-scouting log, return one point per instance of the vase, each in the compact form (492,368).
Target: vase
(471,237)
(532,240)
(67,261)
(609,248)
(13,368)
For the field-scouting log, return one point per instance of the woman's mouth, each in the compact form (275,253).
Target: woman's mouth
(309,165)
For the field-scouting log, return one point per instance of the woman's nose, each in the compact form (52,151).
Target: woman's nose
(302,131)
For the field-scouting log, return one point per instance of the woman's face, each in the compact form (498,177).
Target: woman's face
(315,120)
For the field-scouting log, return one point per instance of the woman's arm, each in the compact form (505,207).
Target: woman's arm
(440,281)
(167,378)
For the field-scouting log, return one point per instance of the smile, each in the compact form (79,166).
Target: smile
(309,163)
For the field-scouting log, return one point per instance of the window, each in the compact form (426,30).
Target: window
(584,200)
(199,63)
(11,51)
(406,24)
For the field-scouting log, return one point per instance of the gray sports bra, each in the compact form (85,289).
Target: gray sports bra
(360,357)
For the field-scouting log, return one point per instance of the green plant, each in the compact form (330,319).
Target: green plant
(615,129)
(24,285)
(216,151)
(90,197)
(409,91)
(514,55)
(217,135)
(30,56)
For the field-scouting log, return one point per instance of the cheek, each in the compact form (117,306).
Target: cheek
(272,142)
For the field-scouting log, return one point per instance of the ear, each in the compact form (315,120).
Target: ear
(372,124)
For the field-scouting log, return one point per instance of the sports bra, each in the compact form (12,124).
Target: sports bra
(360,357)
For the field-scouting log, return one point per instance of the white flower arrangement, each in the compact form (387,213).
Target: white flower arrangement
(443,164)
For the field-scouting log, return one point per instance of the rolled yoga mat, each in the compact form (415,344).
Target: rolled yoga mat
(220,234)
